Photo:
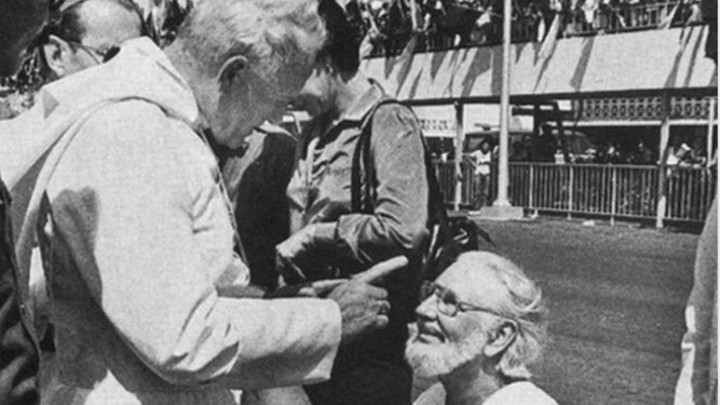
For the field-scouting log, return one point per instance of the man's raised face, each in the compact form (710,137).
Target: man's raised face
(453,321)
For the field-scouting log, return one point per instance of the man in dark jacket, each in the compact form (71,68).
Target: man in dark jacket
(341,227)
(256,177)
(20,22)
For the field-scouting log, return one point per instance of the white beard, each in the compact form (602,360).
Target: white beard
(438,359)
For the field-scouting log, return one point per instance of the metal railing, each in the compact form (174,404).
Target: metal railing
(627,18)
(622,18)
(689,193)
(614,191)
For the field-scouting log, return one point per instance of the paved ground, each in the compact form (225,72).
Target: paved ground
(616,298)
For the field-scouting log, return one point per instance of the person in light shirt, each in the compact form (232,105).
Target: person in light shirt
(480,326)
(481,159)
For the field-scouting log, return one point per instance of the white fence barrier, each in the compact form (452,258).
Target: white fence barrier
(614,191)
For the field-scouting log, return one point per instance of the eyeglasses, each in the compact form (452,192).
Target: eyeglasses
(448,302)
(104,55)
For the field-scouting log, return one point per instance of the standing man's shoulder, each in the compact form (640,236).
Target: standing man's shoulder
(132,120)
(393,114)
(395,125)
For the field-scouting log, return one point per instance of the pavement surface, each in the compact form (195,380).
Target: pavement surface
(616,296)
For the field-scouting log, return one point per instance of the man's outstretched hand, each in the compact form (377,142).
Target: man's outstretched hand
(363,306)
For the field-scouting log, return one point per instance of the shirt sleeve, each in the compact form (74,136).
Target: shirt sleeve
(125,208)
(399,220)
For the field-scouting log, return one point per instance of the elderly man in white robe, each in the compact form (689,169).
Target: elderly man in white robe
(136,234)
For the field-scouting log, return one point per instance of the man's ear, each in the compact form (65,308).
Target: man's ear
(56,52)
(231,69)
(501,338)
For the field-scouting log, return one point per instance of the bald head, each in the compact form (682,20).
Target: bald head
(87,30)
(109,21)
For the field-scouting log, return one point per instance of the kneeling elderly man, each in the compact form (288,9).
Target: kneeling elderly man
(133,222)
(480,325)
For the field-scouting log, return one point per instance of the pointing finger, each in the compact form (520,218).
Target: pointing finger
(381,270)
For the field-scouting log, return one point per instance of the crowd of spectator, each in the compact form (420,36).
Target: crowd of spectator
(681,152)
(454,23)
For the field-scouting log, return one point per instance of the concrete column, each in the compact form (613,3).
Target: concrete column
(503,169)
(662,178)
(459,143)
(711,123)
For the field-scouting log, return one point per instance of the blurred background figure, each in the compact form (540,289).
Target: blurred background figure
(481,160)
(81,34)
(88,33)
(20,23)
(480,326)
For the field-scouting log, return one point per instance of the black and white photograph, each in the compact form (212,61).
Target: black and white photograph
(358,202)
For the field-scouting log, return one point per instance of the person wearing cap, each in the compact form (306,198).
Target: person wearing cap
(20,23)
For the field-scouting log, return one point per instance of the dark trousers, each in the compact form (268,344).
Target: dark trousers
(482,190)
(370,372)
(375,382)
(19,360)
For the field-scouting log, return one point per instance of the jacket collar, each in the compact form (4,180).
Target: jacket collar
(366,102)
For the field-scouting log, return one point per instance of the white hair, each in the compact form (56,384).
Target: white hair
(281,32)
(521,300)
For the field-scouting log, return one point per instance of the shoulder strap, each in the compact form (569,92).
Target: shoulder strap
(360,202)
(362,151)
(440,245)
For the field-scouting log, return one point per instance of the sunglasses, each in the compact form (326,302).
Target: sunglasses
(104,55)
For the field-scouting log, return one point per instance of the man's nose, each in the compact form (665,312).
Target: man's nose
(427,309)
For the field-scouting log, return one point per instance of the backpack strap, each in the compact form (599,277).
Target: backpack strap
(440,247)
(362,203)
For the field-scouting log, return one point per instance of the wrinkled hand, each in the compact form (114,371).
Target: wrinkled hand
(288,251)
(364,307)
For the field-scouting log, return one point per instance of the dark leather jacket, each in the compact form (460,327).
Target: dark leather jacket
(18,348)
